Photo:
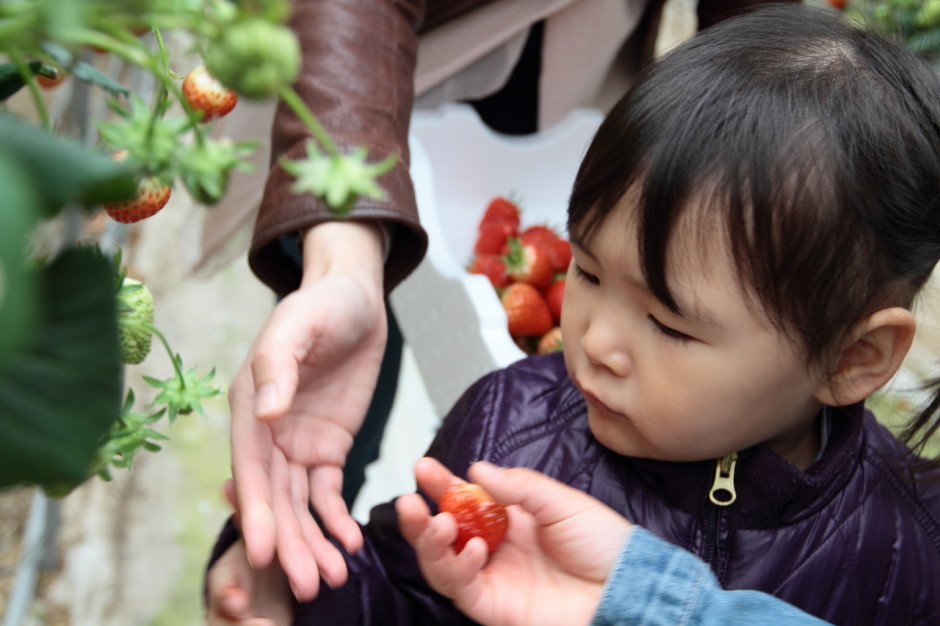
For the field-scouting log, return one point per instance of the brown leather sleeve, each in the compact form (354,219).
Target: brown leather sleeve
(358,78)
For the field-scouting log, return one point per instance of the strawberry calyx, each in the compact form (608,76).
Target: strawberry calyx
(337,178)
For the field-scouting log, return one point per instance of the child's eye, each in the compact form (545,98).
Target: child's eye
(580,273)
(672,333)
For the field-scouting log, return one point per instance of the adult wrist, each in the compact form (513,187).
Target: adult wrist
(349,247)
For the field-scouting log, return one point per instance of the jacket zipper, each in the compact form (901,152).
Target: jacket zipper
(721,495)
(722,492)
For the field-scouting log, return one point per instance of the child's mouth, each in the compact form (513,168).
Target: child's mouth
(600,406)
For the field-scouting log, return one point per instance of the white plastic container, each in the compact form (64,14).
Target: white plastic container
(451,319)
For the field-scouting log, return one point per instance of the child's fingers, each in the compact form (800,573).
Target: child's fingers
(233,602)
(546,499)
(469,562)
(413,516)
(433,478)
(229,585)
(445,570)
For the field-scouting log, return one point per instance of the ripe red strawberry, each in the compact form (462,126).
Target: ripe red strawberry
(501,210)
(492,237)
(559,254)
(557,248)
(537,233)
(152,195)
(528,263)
(550,341)
(554,297)
(493,267)
(204,93)
(477,515)
(527,313)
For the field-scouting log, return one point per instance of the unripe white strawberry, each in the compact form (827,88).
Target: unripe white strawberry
(135,321)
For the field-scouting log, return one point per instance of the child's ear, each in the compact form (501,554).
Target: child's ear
(871,358)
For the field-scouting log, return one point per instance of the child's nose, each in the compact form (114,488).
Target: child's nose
(604,347)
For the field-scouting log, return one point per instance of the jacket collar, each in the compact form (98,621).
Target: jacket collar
(770,491)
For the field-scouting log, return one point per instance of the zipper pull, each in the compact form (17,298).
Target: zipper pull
(722,492)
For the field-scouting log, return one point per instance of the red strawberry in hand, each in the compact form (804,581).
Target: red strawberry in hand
(528,263)
(477,515)
(527,313)
(152,195)
(204,93)
(493,267)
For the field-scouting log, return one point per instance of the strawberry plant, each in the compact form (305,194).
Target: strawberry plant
(70,319)
(914,23)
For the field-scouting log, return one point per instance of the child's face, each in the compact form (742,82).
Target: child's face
(712,381)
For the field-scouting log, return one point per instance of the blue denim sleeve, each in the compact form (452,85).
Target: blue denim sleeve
(655,583)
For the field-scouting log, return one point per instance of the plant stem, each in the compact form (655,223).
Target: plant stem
(34,93)
(169,351)
(300,109)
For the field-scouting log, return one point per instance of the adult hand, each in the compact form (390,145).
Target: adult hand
(300,398)
(239,594)
(550,569)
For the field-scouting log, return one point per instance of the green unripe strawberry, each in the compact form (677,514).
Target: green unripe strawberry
(254,57)
(135,321)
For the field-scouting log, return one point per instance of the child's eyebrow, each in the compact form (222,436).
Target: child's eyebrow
(687,308)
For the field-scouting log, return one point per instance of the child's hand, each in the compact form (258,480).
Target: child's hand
(552,565)
(239,594)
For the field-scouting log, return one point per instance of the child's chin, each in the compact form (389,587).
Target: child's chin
(614,433)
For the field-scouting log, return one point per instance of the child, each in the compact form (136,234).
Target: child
(750,227)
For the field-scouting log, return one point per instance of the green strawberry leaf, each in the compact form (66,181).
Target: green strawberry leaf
(183,394)
(62,391)
(337,179)
(19,211)
(83,71)
(12,80)
(62,170)
(205,166)
(151,142)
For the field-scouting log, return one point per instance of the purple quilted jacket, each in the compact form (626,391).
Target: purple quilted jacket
(855,539)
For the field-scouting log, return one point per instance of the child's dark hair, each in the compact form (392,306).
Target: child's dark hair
(815,144)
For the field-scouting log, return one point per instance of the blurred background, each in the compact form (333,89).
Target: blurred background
(132,551)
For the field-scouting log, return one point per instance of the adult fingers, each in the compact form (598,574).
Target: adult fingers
(326,496)
(275,373)
(293,542)
(330,562)
(250,461)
